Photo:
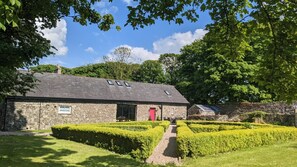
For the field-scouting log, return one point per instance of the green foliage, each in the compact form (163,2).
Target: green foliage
(227,123)
(150,71)
(49,68)
(214,78)
(171,65)
(108,70)
(265,29)
(22,44)
(8,15)
(196,128)
(200,144)
(255,116)
(14,82)
(139,144)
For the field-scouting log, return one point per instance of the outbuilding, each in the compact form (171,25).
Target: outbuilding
(66,99)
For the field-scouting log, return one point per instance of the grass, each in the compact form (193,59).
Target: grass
(38,131)
(280,155)
(47,151)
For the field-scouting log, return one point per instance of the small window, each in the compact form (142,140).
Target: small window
(110,82)
(64,110)
(119,83)
(167,93)
(127,84)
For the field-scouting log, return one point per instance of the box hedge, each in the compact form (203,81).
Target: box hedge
(228,123)
(207,143)
(139,144)
(197,128)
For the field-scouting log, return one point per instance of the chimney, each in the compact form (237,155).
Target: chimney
(59,69)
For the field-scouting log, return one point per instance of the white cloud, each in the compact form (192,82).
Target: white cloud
(109,10)
(128,2)
(57,36)
(175,42)
(100,4)
(138,54)
(90,50)
(171,44)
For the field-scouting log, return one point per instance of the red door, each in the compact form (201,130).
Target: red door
(153,114)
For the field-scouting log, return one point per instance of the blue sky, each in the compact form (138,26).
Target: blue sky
(81,45)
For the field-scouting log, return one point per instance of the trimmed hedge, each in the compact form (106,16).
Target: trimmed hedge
(139,144)
(228,123)
(200,144)
(129,127)
(197,128)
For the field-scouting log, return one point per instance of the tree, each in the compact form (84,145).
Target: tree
(49,68)
(22,44)
(275,20)
(150,71)
(118,61)
(217,78)
(13,83)
(121,54)
(171,66)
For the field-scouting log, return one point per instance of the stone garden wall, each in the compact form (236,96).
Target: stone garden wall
(239,108)
(277,112)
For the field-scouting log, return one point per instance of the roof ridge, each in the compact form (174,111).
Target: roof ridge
(78,76)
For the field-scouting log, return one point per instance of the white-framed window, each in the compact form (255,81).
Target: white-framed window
(64,110)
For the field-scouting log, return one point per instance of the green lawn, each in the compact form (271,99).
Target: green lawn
(279,155)
(47,151)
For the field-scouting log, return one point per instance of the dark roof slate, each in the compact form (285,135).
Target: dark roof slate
(66,86)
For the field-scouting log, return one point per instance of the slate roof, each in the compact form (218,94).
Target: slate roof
(53,85)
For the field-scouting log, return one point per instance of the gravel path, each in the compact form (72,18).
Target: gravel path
(166,150)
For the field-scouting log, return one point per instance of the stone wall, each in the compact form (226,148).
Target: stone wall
(233,109)
(168,111)
(30,115)
(174,111)
(277,112)
(142,112)
(43,115)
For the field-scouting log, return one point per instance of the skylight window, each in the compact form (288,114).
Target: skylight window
(127,84)
(110,82)
(167,93)
(119,83)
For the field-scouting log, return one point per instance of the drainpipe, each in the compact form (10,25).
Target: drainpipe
(162,112)
(39,115)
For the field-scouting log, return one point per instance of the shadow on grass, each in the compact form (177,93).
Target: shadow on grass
(294,146)
(34,151)
(21,150)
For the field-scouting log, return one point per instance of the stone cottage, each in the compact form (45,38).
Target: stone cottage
(61,99)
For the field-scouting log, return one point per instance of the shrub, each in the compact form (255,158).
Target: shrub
(228,123)
(139,144)
(255,116)
(197,128)
(200,144)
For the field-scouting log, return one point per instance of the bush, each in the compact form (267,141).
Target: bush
(200,144)
(139,144)
(255,116)
(130,127)
(197,128)
(228,123)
